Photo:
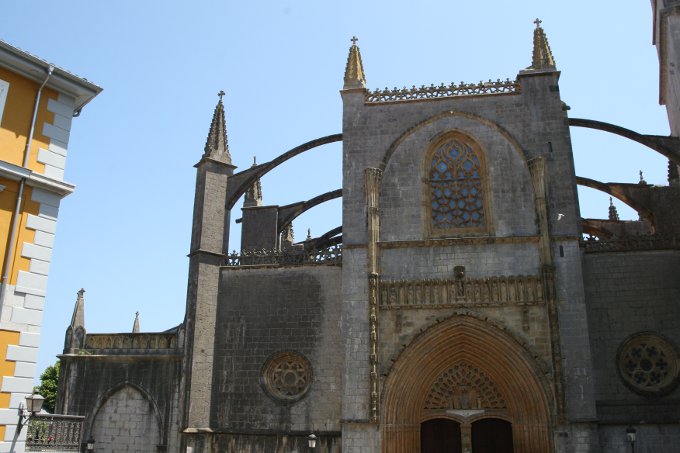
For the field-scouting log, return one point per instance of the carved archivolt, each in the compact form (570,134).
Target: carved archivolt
(434,369)
(464,387)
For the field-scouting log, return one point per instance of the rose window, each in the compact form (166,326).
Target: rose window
(287,375)
(648,364)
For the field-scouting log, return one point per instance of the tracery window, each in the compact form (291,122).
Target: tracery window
(287,375)
(648,364)
(456,186)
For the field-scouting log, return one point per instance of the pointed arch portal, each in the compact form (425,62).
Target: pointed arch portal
(468,372)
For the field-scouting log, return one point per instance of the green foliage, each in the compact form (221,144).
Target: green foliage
(49,381)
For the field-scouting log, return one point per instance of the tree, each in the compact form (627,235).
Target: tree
(49,381)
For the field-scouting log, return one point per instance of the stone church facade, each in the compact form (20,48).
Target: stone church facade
(458,308)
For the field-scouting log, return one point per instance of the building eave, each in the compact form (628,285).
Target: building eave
(34,68)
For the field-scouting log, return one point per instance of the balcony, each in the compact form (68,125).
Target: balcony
(54,433)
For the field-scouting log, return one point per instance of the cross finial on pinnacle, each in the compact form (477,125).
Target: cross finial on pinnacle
(538,22)
(220,94)
(354,40)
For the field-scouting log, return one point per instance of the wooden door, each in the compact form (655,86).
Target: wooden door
(492,435)
(440,435)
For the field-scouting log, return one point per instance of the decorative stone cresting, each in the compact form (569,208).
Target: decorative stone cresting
(464,387)
(632,243)
(414,93)
(287,375)
(648,364)
(146,341)
(331,255)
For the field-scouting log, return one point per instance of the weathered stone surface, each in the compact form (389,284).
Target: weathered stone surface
(509,317)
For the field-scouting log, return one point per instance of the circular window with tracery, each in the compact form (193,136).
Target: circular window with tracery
(287,375)
(648,364)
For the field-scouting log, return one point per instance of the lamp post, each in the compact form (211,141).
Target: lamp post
(311,441)
(630,436)
(34,404)
(90,444)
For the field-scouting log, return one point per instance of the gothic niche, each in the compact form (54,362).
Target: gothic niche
(464,387)
(287,376)
(648,364)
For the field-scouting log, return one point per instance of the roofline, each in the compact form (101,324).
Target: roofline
(36,69)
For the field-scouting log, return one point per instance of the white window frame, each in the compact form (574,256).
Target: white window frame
(4,88)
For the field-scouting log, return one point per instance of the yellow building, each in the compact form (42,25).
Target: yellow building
(37,103)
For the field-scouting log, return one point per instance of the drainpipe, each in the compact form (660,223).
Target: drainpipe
(22,184)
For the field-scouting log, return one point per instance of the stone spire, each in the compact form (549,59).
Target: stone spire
(542,57)
(613,213)
(75,332)
(216,146)
(254,193)
(354,71)
(78,318)
(287,236)
(135,325)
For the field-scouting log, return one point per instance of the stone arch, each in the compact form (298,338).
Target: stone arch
(403,192)
(126,419)
(507,135)
(240,182)
(292,211)
(622,192)
(667,146)
(592,228)
(464,339)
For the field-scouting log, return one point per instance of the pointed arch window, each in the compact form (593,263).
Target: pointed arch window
(456,186)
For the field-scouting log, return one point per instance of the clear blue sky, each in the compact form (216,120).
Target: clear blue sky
(124,234)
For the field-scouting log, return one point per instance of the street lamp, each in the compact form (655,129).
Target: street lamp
(311,441)
(34,404)
(630,436)
(90,444)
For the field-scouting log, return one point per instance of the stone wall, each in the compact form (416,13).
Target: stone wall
(405,197)
(126,423)
(285,315)
(143,387)
(512,130)
(629,293)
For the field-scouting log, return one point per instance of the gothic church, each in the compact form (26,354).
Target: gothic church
(458,308)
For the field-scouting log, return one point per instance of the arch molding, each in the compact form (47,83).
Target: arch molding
(475,343)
